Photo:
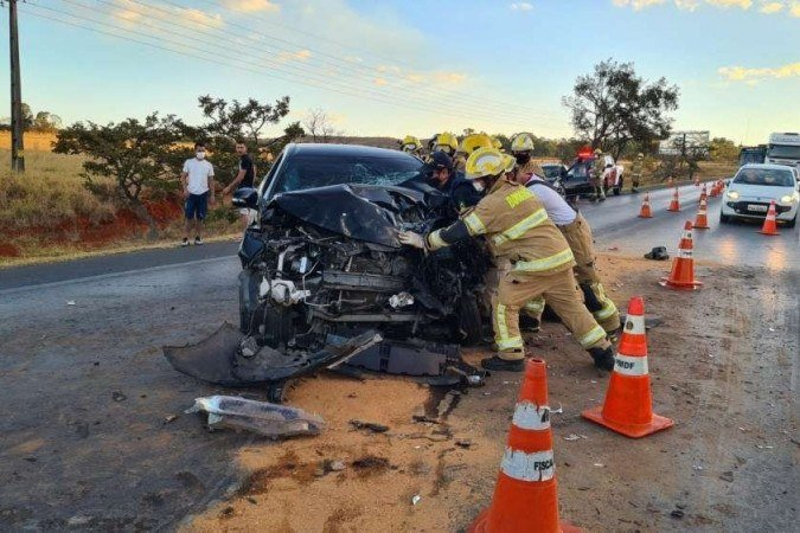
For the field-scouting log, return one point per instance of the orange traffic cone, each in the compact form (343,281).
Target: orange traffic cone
(645,211)
(703,194)
(526,496)
(682,274)
(675,204)
(770,227)
(714,190)
(696,182)
(628,407)
(701,222)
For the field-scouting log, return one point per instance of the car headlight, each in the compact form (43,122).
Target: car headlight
(790,198)
(733,195)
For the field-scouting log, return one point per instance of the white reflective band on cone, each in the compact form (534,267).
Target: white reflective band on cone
(537,466)
(684,254)
(630,366)
(528,415)
(634,324)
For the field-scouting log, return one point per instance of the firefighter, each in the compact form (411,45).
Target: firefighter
(447,143)
(522,149)
(460,191)
(518,231)
(598,169)
(578,233)
(637,169)
(411,145)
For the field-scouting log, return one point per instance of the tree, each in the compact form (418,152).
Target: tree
(319,126)
(723,149)
(46,122)
(613,106)
(140,156)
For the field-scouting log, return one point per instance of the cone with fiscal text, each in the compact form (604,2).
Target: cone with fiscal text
(701,222)
(628,406)
(770,226)
(675,204)
(526,495)
(645,211)
(682,275)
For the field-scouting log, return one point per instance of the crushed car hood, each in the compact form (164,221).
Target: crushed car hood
(363,212)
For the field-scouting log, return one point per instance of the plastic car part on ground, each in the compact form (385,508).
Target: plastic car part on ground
(268,419)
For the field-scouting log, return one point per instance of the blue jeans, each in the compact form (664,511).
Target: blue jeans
(196,206)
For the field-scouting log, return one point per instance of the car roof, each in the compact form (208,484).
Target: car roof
(764,166)
(343,150)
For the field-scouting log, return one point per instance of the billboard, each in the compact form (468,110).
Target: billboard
(681,142)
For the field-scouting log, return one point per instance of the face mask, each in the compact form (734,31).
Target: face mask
(522,158)
(478,185)
(200,155)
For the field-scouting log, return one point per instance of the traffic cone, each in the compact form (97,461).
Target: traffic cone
(675,204)
(645,211)
(628,406)
(770,227)
(701,222)
(682,275)
(714,190)
(526,495)
(696,182)
(703,195)
(670,181)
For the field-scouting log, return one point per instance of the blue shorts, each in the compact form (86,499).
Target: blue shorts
(196,206)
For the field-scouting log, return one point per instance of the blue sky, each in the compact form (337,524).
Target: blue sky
(391,67)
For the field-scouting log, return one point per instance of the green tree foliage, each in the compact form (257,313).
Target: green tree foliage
(43,121)
(722,149)
(613,107)
(140,156)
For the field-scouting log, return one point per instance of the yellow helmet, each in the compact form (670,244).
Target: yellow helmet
(510,162)
(470,143)
(446,141)
(410,144)
(640,156)
(522,142)
(497,144)
(485,162)
(598,151)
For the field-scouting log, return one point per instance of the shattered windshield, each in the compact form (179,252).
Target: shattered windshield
(306,171)
(775,178)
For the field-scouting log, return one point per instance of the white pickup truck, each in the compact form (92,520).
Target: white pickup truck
(784,149)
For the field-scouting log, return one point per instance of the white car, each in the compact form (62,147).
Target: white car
(755,186)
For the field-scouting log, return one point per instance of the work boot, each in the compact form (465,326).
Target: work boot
(528,324)
(613,335)
(503,365)
(603,358)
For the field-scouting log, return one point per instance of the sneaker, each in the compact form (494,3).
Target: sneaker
(198,241)
(185,242)
(502,365)
(603,358)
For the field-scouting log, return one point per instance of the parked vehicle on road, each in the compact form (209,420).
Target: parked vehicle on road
(576,181)
(752,155)
(553,171)
(783,149)
(753,188)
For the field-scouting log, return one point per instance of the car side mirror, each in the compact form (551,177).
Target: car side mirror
(245,197)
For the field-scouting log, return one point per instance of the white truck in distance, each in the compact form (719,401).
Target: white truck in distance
(784,149)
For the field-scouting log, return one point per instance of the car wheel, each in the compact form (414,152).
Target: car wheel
(792,222)
(469,320)
(724,219)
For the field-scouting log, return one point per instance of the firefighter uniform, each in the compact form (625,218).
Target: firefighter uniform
(578,233)
(637,169)
(598,169)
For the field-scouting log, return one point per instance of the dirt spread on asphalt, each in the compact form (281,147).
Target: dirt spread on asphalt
(435,467)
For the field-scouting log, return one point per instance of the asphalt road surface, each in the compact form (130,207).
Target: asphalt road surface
(87,438)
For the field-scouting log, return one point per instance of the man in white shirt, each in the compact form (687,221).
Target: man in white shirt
(198,189)
(578,234)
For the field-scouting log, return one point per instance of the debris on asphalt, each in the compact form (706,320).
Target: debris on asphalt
(170,418)
(658,253)
(71,302)
(369,426)
(117,396)
(573,437)
(464,443)
(268,419)
(727,476)
(677,513)
(337,466)
(415,500)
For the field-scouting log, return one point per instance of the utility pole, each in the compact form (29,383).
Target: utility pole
(17,144)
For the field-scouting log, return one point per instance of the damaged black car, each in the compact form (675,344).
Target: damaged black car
(325,281)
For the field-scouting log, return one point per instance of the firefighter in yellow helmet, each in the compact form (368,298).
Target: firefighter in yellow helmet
(518,231)
(446,142)
(637,169)
(522,149)
(411,145)
(598,169)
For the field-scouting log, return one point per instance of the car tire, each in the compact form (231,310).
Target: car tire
(470,324)
(792,222)
(724,219)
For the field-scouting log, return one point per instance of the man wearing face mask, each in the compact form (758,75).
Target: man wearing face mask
(578,233)
(522,148)
(460,191)
(518,231)
(198,189)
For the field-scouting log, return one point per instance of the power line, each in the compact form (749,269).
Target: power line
(227,63)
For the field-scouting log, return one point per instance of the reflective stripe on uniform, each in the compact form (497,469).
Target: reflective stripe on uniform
(503,341)
(518,230)
(535,305)
(607,311)
(595,334)
(634,324)
(536,466)
(528,415)
(630,366)
(435,240)
(510,343)
(546,263)
(474,224)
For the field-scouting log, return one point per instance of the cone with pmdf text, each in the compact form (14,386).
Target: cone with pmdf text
(628,406)
(645,212)
(675,204)
(526,494)
(701,221)
(770,226)
(681,276)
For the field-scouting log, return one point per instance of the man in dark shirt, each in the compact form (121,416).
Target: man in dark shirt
(244,178)
(461,192)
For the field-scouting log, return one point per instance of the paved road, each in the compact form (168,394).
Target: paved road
(86,393)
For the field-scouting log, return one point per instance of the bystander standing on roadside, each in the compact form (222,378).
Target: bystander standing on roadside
(244,178)
(198,190)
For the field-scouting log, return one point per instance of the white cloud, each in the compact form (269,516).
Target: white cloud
(747,75)
(685,5)
(252,6)
(131,13)
(637,4)
(795,9)
(521,6)
(743,4)
(769,8)
(299,55)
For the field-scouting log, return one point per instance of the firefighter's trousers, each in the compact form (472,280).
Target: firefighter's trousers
(580,240)
(558,288)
